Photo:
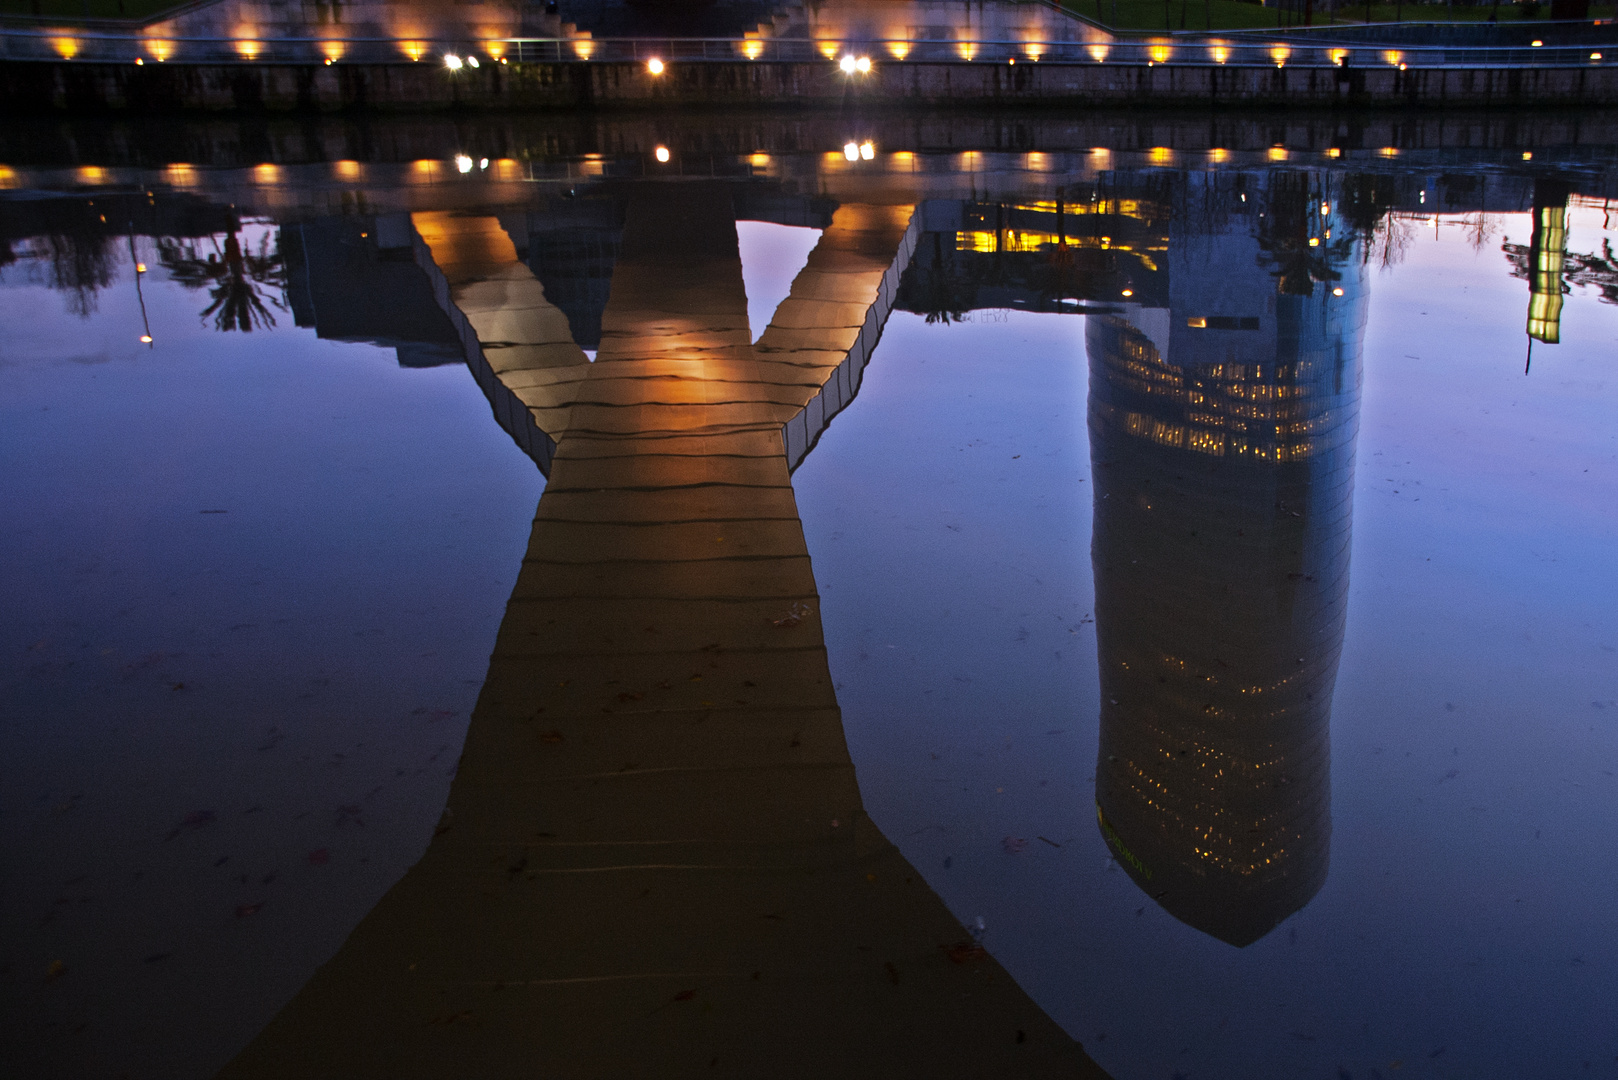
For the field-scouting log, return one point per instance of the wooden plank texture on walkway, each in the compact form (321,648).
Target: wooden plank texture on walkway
(654,861)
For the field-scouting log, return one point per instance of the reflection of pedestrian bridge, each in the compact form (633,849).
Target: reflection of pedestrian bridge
(654,859)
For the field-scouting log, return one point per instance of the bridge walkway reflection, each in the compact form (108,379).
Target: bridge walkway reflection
(654,860)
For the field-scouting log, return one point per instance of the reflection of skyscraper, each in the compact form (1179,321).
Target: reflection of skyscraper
(354,279)
(572,245)
(1222,435)
(1547,252)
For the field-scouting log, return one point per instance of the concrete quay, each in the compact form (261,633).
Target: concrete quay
(80,88)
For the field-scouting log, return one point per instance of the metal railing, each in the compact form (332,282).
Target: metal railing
(856,58)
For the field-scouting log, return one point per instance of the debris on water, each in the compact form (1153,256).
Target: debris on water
(320,857)
(1049,841)
(349,813)
(244,910)
(795,615)
(1014,844)
(56,970)
(685,995)
(156,957)
(978,929)
(966,951)
(196,819)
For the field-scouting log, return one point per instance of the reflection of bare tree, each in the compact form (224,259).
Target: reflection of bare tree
(1391,241)
(936,290)
(1480,229)
(232,276)
(1366,198)
(80,265)
(1599,272)
(1287,234)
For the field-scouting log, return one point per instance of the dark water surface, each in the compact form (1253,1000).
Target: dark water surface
(1220,615)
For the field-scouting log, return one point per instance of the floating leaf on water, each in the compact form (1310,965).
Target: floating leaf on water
(196,819)
(795,615)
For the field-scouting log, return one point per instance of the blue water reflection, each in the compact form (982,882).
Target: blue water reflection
(252,580)
(1459,930)
(1220,615)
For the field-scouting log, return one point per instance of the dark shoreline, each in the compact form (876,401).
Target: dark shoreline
(84,88)
(1461,138)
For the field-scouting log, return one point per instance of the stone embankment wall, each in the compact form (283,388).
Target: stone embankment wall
(92,88)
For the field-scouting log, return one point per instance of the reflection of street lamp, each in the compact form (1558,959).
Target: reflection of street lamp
(140,271)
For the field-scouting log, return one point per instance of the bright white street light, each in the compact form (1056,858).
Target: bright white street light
(463,163)
(452,61)
(484,164)
(655,66)
(472,60)
(851,151)
(661,153)
(848,64)
(864,65)
(867,150)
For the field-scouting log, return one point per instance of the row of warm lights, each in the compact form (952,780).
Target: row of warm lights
(249,47)
(182,175)
(456,63)
(1163,155)
(332,50)
(852,151)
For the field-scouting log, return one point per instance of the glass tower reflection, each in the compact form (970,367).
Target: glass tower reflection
(1222,439)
